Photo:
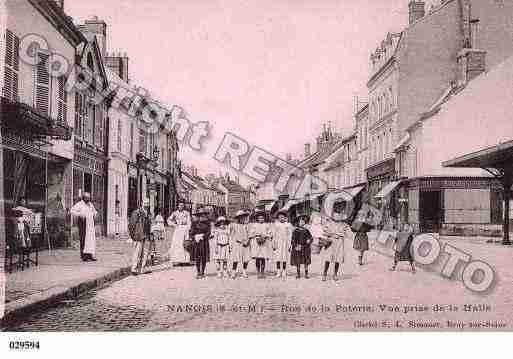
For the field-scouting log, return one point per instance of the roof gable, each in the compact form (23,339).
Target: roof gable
(90,58)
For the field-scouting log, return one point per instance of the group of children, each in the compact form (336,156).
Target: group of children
(282,242)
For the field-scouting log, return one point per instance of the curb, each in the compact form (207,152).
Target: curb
(20,308)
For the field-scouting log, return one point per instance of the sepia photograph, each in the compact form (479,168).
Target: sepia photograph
(245,166)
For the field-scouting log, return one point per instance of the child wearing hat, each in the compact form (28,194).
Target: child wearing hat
(301,253)
(240,244)
(281,236)
(260,236)
(222,246)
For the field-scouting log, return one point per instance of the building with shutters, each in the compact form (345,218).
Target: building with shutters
(91,122)
(36,117)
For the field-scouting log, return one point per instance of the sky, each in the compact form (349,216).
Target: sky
(270,71)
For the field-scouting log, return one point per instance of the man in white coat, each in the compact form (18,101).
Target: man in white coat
(84,213)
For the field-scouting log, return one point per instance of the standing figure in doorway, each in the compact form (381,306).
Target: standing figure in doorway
(85,212)
(240,243)
(200,234)
(282,236)
(301,252)
(181,221)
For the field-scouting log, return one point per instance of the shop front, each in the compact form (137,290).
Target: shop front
(35,179)
(378,177)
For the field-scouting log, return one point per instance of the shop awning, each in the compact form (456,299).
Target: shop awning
(289,205)
(268,207)
(350,193)
(21,117)
(389,188)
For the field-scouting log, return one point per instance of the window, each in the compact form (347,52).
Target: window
(474,32)
(62,101)
(42,84)
(98,125)
(142,141)
(78,114)
(131,140)
(392,100)
(88,120)
(163,158)
(12,66)
(120,128)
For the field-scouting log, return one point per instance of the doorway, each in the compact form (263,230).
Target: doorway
(431,212)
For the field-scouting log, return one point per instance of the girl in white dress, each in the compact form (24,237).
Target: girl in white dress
(281,239)
(222,246)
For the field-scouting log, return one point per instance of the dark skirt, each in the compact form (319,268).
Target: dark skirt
(403,251)
(361,242)
(200,251)
(304,256)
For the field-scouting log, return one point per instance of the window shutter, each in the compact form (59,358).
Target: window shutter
(62,101)
(42,84)
(78,115)
(12,66)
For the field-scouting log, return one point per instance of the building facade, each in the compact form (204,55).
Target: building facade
(36,115)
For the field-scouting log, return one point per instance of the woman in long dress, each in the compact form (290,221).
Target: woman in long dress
(181,221)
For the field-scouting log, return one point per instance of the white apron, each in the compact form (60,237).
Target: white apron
(81,209)
(181,221)
(335,252)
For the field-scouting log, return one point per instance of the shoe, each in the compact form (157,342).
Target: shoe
(392,269)
(298,276)
(198,276)
(324,278)
(335,278)
(245,274)
(93,259)
(307,276)
(278,274)
(135,273)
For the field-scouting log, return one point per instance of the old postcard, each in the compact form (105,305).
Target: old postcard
(243,165)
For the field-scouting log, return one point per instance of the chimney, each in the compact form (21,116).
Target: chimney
(471,63)
(417,10)
(96,27)
(307,150)
(118,63)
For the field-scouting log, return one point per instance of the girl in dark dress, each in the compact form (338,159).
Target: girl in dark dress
(300,251)
(402,246)
(199,234)
(361,226)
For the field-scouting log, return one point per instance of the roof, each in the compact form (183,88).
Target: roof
(491,157)
(478,116)
(232,186)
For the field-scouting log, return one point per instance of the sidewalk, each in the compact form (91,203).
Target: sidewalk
(61,274)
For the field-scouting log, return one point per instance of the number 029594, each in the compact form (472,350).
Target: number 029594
(24,345)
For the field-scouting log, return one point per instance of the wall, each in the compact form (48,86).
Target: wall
(495,29)
(427,62)
(23,19)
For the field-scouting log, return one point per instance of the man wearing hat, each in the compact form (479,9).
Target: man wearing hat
(140,229)
(199,234)
(84,213)
(240,244)
(281,236)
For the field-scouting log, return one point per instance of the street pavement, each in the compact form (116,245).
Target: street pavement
(369,297)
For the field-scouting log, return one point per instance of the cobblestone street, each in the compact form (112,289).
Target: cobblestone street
(171,299)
